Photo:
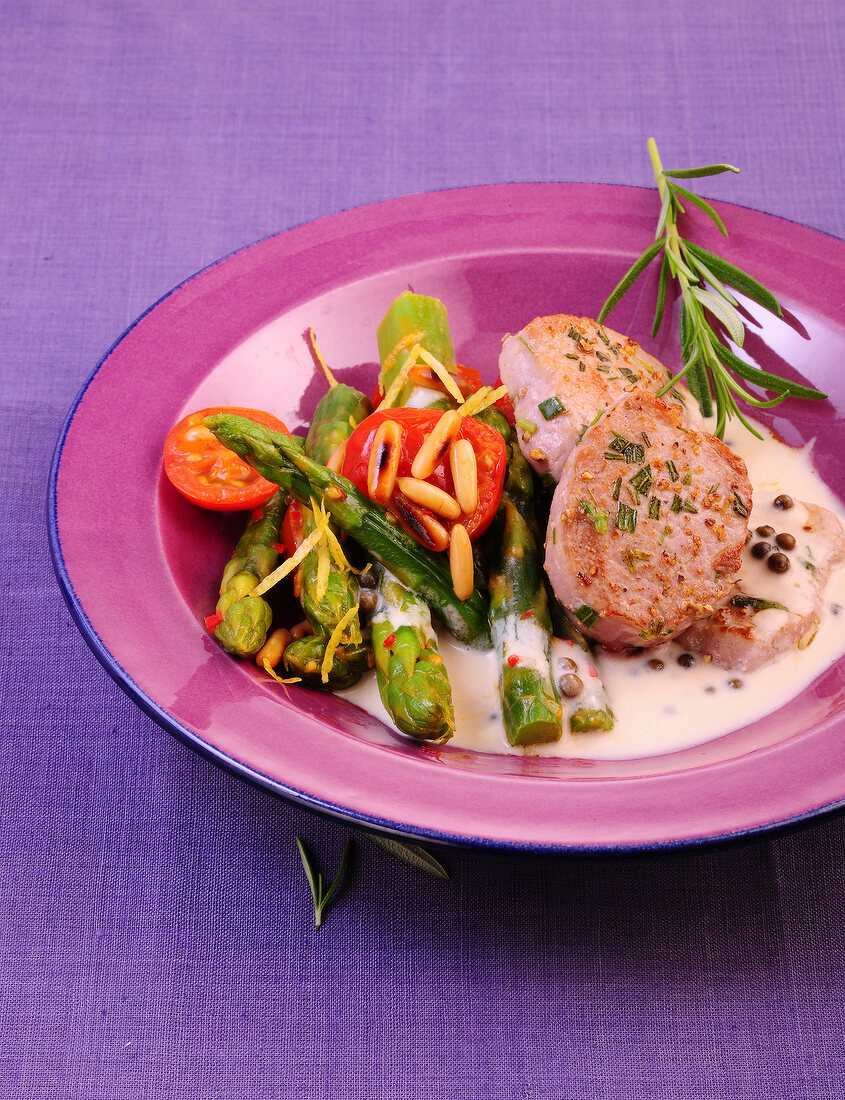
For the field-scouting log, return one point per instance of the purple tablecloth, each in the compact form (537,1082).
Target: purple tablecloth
(156,937)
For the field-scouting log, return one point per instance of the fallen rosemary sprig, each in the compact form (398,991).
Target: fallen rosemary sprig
(411,854)
(322,897)
(703,279)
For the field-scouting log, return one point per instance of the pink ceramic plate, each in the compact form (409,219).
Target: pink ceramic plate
(232,334)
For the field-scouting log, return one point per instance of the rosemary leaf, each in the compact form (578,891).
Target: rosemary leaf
(704,205)
(629,278)
(696,173)
(411,854)
(737,278)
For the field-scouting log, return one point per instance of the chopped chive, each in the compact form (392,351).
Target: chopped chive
(688,506)
(626,518)
(617,488)
(571,355)
(632,557)
(603,367)
(632,376)
(687,478)
(646,440)
(597,515)
(604,358)
(677,504)
(527,426)
(581,366)
(654,508)
(550,408)
(587,615)
(671,469)
(666,531)
(522,340)
(634,452)
(611,456)
(756,604)
(602,336)
(740,507)
(641,480)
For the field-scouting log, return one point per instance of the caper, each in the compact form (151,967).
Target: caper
(765,531)
(783,502)
(761,549)
(785,541)
(778,563)
(686,660)
(568,664)
(571,685)
(367,580)
(368,600)
(656,664)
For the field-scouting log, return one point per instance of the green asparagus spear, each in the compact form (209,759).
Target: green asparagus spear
(337,414)
(519,609)
(246,618)
(413,319)
(412,678)
(593,711)
(276,459)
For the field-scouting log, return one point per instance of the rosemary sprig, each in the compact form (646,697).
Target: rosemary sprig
(707,305)
(322,898)
(412,854)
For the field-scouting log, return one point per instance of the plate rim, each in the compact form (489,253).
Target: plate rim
(158,712)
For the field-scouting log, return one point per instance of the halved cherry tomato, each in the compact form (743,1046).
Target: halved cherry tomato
(467,378)
(208,474)
(415,425)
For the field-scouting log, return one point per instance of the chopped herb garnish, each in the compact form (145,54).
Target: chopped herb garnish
(581,366)
(654,508)
(632,376)
(688,506)
(666,531)
(626,518)
(571,355)
(522,340)
(573,333)
(671,469)
(550,408)
(602,336)
(646,440)
(587,615)
(597,515)
(604,358)
(527,426)
(611,456)
(677,504)
(603,367)
(632,557)
(687,478)
(617,488)
(634,452)
(756,604)
(713,489)
(641,480)
(554,536)
(740,507)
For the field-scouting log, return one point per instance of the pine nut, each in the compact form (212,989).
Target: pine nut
(301,630)
(421,523)
(429,496)
(464,468)
(337,456)
(384,461)
(434,445)
(274,648)
(460,562)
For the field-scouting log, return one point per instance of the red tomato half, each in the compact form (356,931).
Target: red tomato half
(209,474)
(490,454)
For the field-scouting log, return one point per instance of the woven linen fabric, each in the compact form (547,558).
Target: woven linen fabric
(157,935)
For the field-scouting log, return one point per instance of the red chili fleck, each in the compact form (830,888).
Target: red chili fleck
(213,621)
(526,614)
(389,640)
(592,672)
(280,548)
(513,660)
(256,515)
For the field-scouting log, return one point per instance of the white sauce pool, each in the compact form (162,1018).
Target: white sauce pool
(660,711)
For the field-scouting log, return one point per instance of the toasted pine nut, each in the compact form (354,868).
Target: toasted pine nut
(421,523)
(274,648)
(301,630)
(464,474)
(384,461)
(337,456)
(435,443)
(430,496)
(460,562)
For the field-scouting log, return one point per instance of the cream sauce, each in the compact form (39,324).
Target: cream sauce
(660,710)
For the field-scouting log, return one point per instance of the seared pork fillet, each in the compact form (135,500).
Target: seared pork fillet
(647,524)
(562,371)
(787,561)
